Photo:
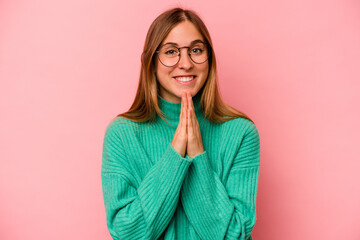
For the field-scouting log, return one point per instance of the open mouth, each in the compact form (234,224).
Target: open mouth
(185,79)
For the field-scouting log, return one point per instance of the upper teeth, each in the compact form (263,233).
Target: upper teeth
(184,79)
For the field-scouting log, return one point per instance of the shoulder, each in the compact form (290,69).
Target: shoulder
(121,125)
(240,131)
(241,126)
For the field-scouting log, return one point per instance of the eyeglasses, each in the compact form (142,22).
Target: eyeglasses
(169,55)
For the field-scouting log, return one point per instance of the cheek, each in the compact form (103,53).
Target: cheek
(162,70)
(205,70)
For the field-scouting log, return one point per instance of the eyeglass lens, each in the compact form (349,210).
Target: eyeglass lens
(169,55)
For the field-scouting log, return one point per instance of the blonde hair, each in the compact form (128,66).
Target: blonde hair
(145,106)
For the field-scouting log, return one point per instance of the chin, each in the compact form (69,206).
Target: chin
(186,90)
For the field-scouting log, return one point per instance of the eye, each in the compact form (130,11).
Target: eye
(170,52)
(196,50)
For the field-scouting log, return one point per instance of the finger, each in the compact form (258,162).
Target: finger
(183,113)
(190,115)
(186,116)
(189,100)
(192,110)
(181,107)
(189,125)
(186,106)
(191,104)
(193,118)
(195,128)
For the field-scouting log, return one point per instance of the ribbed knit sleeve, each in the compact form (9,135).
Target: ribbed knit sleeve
(141,212)
(227,210)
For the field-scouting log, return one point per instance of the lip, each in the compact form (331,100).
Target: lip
(185,83)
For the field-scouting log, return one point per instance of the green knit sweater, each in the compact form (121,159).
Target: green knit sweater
(151,192)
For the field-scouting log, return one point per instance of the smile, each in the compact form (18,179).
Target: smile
(185,79)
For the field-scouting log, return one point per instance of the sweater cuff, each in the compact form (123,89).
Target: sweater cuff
(171,150)
(202,155)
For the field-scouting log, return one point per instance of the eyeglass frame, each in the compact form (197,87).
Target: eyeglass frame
(179,48)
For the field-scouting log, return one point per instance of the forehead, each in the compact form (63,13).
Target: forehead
(183,34)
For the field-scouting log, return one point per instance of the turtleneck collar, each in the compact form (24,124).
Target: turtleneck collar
(172,110)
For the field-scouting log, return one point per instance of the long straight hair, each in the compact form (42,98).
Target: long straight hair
(145,106)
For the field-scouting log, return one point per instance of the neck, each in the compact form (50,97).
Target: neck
(172,110)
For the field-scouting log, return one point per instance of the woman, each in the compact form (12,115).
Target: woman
(180,164)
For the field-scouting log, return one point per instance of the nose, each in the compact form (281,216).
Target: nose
(185,61)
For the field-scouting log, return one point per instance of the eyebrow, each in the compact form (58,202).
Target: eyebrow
(193,42)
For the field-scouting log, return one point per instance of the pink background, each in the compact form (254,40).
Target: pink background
(68,67)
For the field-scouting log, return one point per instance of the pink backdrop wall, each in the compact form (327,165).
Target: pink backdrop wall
(68,67)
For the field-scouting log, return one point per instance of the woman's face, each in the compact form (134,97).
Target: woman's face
(175,80)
